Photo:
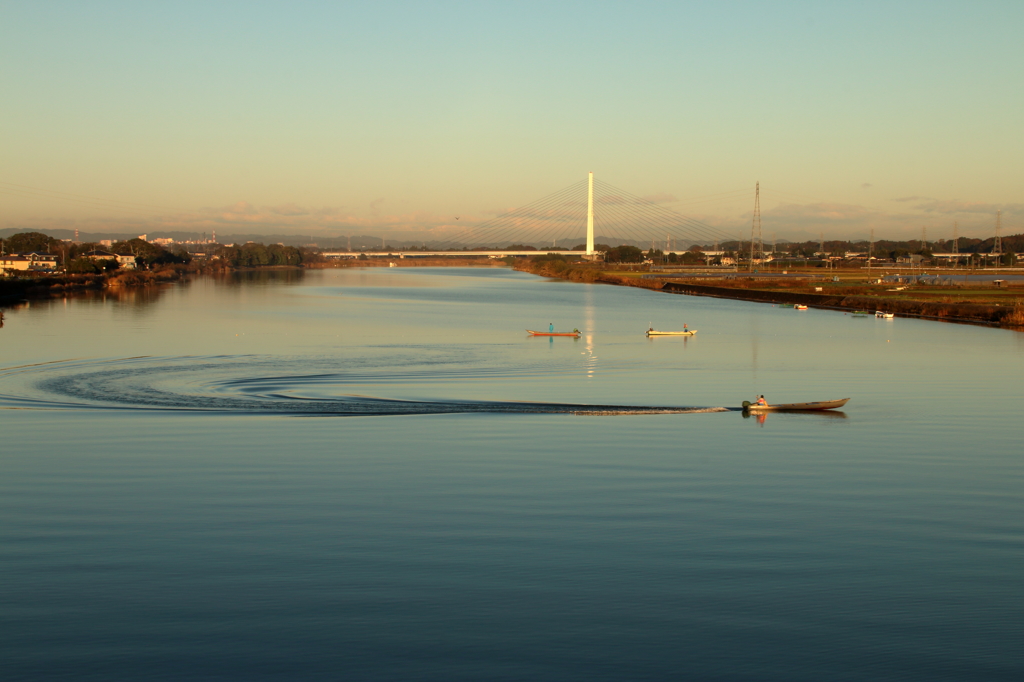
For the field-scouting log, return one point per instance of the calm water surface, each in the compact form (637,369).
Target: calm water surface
(373,475)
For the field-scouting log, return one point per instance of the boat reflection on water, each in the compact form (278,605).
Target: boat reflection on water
(759,417)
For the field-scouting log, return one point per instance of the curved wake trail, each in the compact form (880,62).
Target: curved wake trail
(261,386)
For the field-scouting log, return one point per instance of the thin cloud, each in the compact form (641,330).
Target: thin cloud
(866,185)
(953,207)
(660,198)
(822,213)
(288,209)
(787,221)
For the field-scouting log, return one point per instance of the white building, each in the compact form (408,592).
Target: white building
(126,262)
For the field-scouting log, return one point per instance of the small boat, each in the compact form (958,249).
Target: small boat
(795,407)
(800,307)
(688,332)
(860,313)
(785,305)
(884,316)
(572,333)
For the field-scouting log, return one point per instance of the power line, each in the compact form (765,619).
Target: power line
(997,245)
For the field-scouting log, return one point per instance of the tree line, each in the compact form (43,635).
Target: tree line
(255,255)
(886,248)
(72,256)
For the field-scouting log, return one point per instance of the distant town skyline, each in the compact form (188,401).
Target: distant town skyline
(413,120)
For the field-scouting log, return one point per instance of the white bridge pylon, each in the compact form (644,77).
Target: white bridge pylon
(590,214)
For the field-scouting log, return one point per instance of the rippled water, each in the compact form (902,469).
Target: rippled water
(474,503)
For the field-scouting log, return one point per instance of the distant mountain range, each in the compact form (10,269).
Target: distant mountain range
(1013,243)
(357,242)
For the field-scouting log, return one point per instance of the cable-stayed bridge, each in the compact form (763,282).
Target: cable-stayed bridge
(587,211)
(578,218)
(581,215)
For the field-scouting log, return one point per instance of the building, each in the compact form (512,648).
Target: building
(125,262)
(27,262)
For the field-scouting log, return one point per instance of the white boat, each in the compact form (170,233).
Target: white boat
(884,316)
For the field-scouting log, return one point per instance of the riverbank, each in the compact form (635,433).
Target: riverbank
(19,288)
(978,305)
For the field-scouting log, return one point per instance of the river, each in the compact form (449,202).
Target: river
(372,474)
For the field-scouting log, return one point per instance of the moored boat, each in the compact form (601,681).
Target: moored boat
(795,407)
(884,316)
(800,307)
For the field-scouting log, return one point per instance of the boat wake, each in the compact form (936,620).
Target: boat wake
(251,385)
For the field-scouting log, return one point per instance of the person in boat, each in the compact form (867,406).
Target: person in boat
(685,328)
(551,327)
(575,331)
(761,401)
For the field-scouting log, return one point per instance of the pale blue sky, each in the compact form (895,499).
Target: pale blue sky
(373,118)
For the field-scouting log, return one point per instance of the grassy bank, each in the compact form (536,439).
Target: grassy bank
(855,290)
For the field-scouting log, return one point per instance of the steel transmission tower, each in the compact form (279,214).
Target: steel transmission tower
(997,246)
(756,244)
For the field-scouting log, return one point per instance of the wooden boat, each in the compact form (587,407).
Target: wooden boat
(688,332)
(533,333)
(800,307)
(884,316)
(795,407)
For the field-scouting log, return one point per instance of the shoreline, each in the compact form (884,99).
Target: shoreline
(959,313)
(985,314)
(15,289)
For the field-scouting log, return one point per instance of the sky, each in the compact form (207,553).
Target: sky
(393,118)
